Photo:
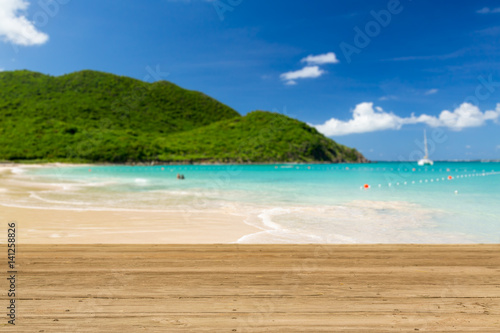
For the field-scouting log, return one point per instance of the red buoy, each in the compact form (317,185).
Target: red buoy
(366,186)
(450,177)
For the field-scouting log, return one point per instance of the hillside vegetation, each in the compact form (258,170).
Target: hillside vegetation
(91,116)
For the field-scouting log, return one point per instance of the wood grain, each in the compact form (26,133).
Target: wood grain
(257,288)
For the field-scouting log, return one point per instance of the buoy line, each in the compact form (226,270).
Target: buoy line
(432,180)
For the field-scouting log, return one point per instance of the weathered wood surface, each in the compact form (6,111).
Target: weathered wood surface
(256,288)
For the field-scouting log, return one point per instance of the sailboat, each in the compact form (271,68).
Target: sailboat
(425,160)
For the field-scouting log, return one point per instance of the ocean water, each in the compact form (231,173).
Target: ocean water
(450,202)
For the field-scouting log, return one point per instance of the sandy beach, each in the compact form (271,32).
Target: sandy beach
(256,288)
(39,226)
(121,226)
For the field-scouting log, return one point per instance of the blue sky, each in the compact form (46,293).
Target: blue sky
(369,74)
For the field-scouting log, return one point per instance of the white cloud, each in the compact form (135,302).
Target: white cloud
(466,115)
(15,27)
(308,72)
(311,70)
(388,98)
(487,10)
(366,118)
(468,147)
(431,92)
(321,59)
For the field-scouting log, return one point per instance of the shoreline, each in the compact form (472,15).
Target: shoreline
(12,164)
(54,225)
(183,163)
(64,218)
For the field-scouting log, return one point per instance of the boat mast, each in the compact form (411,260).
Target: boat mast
(425,143)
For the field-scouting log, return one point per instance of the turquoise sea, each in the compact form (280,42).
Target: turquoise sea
(450,202)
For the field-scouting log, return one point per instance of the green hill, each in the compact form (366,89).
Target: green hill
(258,137)
(91,116)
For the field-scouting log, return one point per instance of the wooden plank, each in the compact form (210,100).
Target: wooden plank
(255,288)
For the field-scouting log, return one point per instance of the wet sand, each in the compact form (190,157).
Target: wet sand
(71,226)
(256,288)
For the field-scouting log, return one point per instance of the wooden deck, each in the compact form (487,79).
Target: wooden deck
(256,288)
